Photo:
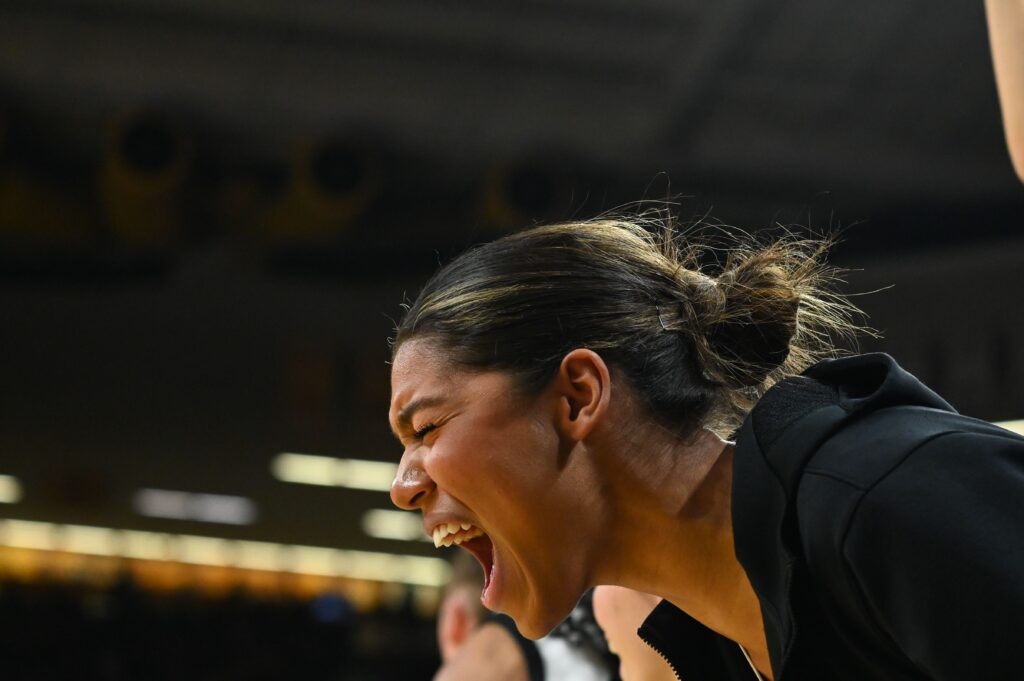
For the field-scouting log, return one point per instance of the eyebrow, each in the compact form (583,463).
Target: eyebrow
(404,418)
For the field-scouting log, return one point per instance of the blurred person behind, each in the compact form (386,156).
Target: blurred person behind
(620,612)
(1006,35)
(478,644)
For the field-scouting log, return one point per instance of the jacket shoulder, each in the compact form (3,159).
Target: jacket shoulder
(921,536)
(900,447)
(875,445)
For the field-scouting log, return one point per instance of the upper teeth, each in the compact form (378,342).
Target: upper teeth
(447,534)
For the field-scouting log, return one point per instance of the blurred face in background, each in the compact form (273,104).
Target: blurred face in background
(457,618)
(620,612)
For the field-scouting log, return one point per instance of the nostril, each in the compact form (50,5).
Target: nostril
(416,497)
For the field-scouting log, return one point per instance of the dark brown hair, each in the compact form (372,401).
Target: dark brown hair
(700,327)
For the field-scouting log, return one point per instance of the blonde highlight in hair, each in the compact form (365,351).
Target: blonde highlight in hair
(701,322)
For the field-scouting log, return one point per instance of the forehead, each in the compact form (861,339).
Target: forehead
(420,367)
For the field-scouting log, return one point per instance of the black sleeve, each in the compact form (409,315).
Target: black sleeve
(534,665)
(936,548)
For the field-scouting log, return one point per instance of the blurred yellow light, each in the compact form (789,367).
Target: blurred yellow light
(26,534)
(303,468)
(1016,426)
(310,469)
(401,525)
(391,568)
(202,550)
(97,541)
(144,545)
(359,474)
(314,560)
(258,555)
(216,551)
(10,489)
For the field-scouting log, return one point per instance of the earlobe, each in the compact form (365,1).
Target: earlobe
(584,385)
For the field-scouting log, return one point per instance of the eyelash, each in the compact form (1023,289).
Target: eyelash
(422,432)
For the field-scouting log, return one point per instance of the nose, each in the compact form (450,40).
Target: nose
(412,484)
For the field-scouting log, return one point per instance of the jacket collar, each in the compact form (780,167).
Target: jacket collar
(785,428)
(783,431)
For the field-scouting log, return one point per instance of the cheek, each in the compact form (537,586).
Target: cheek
(524,458)
(463,461)
(494,466)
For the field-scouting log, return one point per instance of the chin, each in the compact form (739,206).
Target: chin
(533,629)
(538,624)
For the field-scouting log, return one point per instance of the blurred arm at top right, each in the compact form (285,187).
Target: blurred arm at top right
(1006,36)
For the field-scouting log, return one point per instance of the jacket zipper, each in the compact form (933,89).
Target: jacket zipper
(658,650)
(661,653)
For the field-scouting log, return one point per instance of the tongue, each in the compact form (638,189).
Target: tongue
(483,551)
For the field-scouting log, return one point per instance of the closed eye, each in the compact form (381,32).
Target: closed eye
(420,433)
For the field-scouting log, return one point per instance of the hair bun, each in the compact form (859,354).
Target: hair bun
(756,320)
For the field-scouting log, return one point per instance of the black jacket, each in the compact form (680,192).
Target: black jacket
(882,531)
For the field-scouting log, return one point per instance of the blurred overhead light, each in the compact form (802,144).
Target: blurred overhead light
(144,545)
(259,555)
(97,541)
(207,508)
(1015,426)
(10,489)
(400,525)
(203,550)
(28,535)
(221,552)
(324,470)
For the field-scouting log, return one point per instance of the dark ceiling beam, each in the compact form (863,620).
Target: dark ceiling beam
(592,45)
(725,27)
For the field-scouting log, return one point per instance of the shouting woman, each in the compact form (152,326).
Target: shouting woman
(591,403)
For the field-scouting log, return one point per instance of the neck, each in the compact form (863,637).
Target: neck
(672,536)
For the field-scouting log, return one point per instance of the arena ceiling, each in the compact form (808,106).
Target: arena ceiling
(883,99)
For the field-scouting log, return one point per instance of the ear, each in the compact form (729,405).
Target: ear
(584,386)
(453,627)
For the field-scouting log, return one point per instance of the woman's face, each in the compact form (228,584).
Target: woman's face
(488,464)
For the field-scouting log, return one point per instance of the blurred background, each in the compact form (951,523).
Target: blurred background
(210,212)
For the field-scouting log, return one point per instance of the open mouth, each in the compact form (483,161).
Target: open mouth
(483,550)
(474,540)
